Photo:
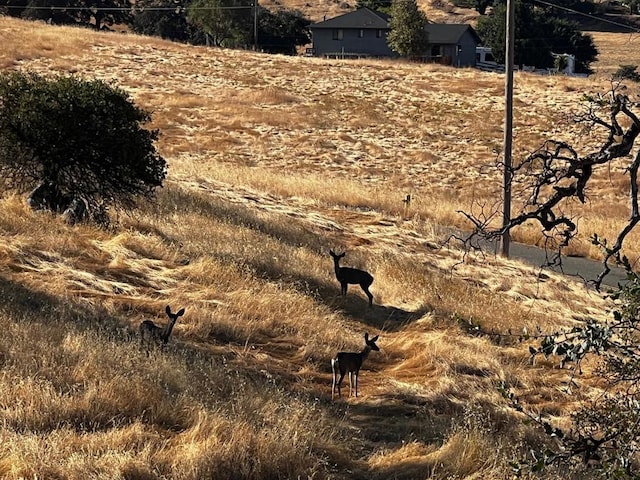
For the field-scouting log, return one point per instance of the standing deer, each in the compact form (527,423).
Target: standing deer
(347,275)
(350,362)
(158,334)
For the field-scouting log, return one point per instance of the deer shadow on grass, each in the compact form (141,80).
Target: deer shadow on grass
(353,305)
(289,232)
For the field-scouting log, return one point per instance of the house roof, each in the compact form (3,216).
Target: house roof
(449,33)
(361,18)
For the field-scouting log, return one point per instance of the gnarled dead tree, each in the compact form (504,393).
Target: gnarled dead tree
(556,173)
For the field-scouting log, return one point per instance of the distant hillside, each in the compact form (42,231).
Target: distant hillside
(444,11)
(436,10)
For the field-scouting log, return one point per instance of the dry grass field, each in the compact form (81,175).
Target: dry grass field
(273,161)
(436,10)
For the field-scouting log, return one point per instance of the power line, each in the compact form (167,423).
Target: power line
(588,15)
(123,9)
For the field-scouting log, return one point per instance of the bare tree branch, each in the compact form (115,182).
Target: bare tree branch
(556,173)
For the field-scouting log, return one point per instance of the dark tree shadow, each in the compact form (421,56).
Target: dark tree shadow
(246,216)
(290,233)
(39,307)
(604,22)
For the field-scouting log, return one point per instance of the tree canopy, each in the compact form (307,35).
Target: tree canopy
(165,19)
(408,36)
(227,23)
(76,138)
(94,13)
(537,35)
(377,5)
(279,31)
(282,30)
(481,5)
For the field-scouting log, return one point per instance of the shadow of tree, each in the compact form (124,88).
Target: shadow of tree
(392,422)
(40,307)
(294,234)
(208,206)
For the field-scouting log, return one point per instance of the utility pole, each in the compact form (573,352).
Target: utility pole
(255,25)
(508,125)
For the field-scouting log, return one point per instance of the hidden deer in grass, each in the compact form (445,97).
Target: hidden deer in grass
(347,275)
(350,362)
(150,332)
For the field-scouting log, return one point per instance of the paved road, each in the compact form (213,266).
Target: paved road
(578,267)
(574,266)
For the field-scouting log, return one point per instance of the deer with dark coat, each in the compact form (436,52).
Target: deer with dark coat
(347,275)
(149,331)
(350,362)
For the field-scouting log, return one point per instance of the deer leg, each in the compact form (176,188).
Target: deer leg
(355,381)
(333,385)
(142,343)
(343,289)
(339,383)
(334,376)
(365,288)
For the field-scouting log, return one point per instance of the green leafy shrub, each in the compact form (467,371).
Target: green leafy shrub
(72,138)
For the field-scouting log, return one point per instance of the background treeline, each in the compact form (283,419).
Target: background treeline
(229,23)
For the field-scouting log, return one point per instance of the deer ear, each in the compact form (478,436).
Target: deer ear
(168,310)
(375,339)
(331,252)
(366,337)
(180,313)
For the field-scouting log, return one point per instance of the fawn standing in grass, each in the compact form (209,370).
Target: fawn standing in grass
(350,362)
(159,335)
(347,275)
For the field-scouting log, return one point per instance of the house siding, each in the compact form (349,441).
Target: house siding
(351,43)
(460,54)
(466,57)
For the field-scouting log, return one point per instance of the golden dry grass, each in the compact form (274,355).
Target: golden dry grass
(274,160)
(436,10)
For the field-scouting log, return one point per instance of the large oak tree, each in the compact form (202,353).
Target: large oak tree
(75,139)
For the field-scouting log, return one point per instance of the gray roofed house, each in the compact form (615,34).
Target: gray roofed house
(452,44)
(363,33)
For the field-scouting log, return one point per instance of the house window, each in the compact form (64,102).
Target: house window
(379,34)
(436,51)
(338,34)
(361,33)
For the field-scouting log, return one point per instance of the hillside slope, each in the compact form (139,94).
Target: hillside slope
(273,161)
(436,10)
